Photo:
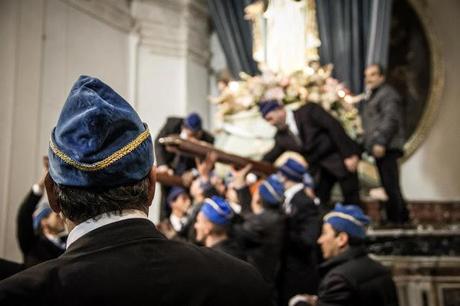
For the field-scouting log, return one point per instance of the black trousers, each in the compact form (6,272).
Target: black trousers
(388,168)
(349,185)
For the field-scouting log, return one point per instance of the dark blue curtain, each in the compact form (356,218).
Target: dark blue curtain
(353,33)
(379,35)
(235,34)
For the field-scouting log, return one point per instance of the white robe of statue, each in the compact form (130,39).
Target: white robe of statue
(286,35)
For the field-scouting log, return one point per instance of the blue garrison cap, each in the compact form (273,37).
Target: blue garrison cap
(217,210)
(193,122)
(293,170)
(99,139)
(174,193)
(349,219)
(267,106)
(41,211)
(272,191)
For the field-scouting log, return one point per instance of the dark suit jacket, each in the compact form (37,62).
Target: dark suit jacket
(173,125)
(261,235)
(231,247)
(301,253)
(130,263)
(8,268)
(324,142)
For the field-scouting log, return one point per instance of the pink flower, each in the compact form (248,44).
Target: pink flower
(245,101)
(284,81)
(274,93)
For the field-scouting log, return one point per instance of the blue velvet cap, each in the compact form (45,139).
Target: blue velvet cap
(174,193)
(349,219)
(272,191)
(267,106)
(193,122)
(99,140)
(293,170)
(217,210)
(41,211)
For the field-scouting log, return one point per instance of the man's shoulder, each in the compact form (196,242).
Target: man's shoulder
(302,199)
(217,270)
(353,272)
(307,108)
(174,121)
(387,90)
(30,282)
(215,262)
(205,261)
(208,137)
(173,125)
(206,271)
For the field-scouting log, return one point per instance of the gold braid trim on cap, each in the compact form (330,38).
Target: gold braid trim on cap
(106,161)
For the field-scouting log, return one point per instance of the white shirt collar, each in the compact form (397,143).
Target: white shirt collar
(291,191)
(176,222)
(290,121)
(101,220)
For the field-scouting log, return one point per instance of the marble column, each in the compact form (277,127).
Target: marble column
(170,51)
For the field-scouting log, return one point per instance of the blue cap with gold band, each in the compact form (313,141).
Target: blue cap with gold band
(349,219)
(217,210)
(293,170)
(99,139)
(272,191)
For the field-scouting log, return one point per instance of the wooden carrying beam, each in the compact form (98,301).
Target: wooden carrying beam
(195,148)
(169,180)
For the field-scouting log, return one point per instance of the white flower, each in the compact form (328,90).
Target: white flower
(274,93)
(245,101)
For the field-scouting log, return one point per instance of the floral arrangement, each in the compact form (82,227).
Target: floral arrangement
(312,84)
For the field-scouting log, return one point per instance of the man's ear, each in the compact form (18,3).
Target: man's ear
(152,182)
(342,239)
(43,223)
(50,192)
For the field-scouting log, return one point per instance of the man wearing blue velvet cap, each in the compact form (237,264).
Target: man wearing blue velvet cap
(213,224)
(102,181)
(311,131)
(189,127)
(261,234)
(303,224)
(349,276)
(180,222)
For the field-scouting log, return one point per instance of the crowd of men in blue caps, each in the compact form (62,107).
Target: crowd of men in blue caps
(223,241)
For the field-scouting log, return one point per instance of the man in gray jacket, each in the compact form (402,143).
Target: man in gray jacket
(382,120)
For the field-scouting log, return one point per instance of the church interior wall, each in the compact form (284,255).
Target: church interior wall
(433,172)
(46,45)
